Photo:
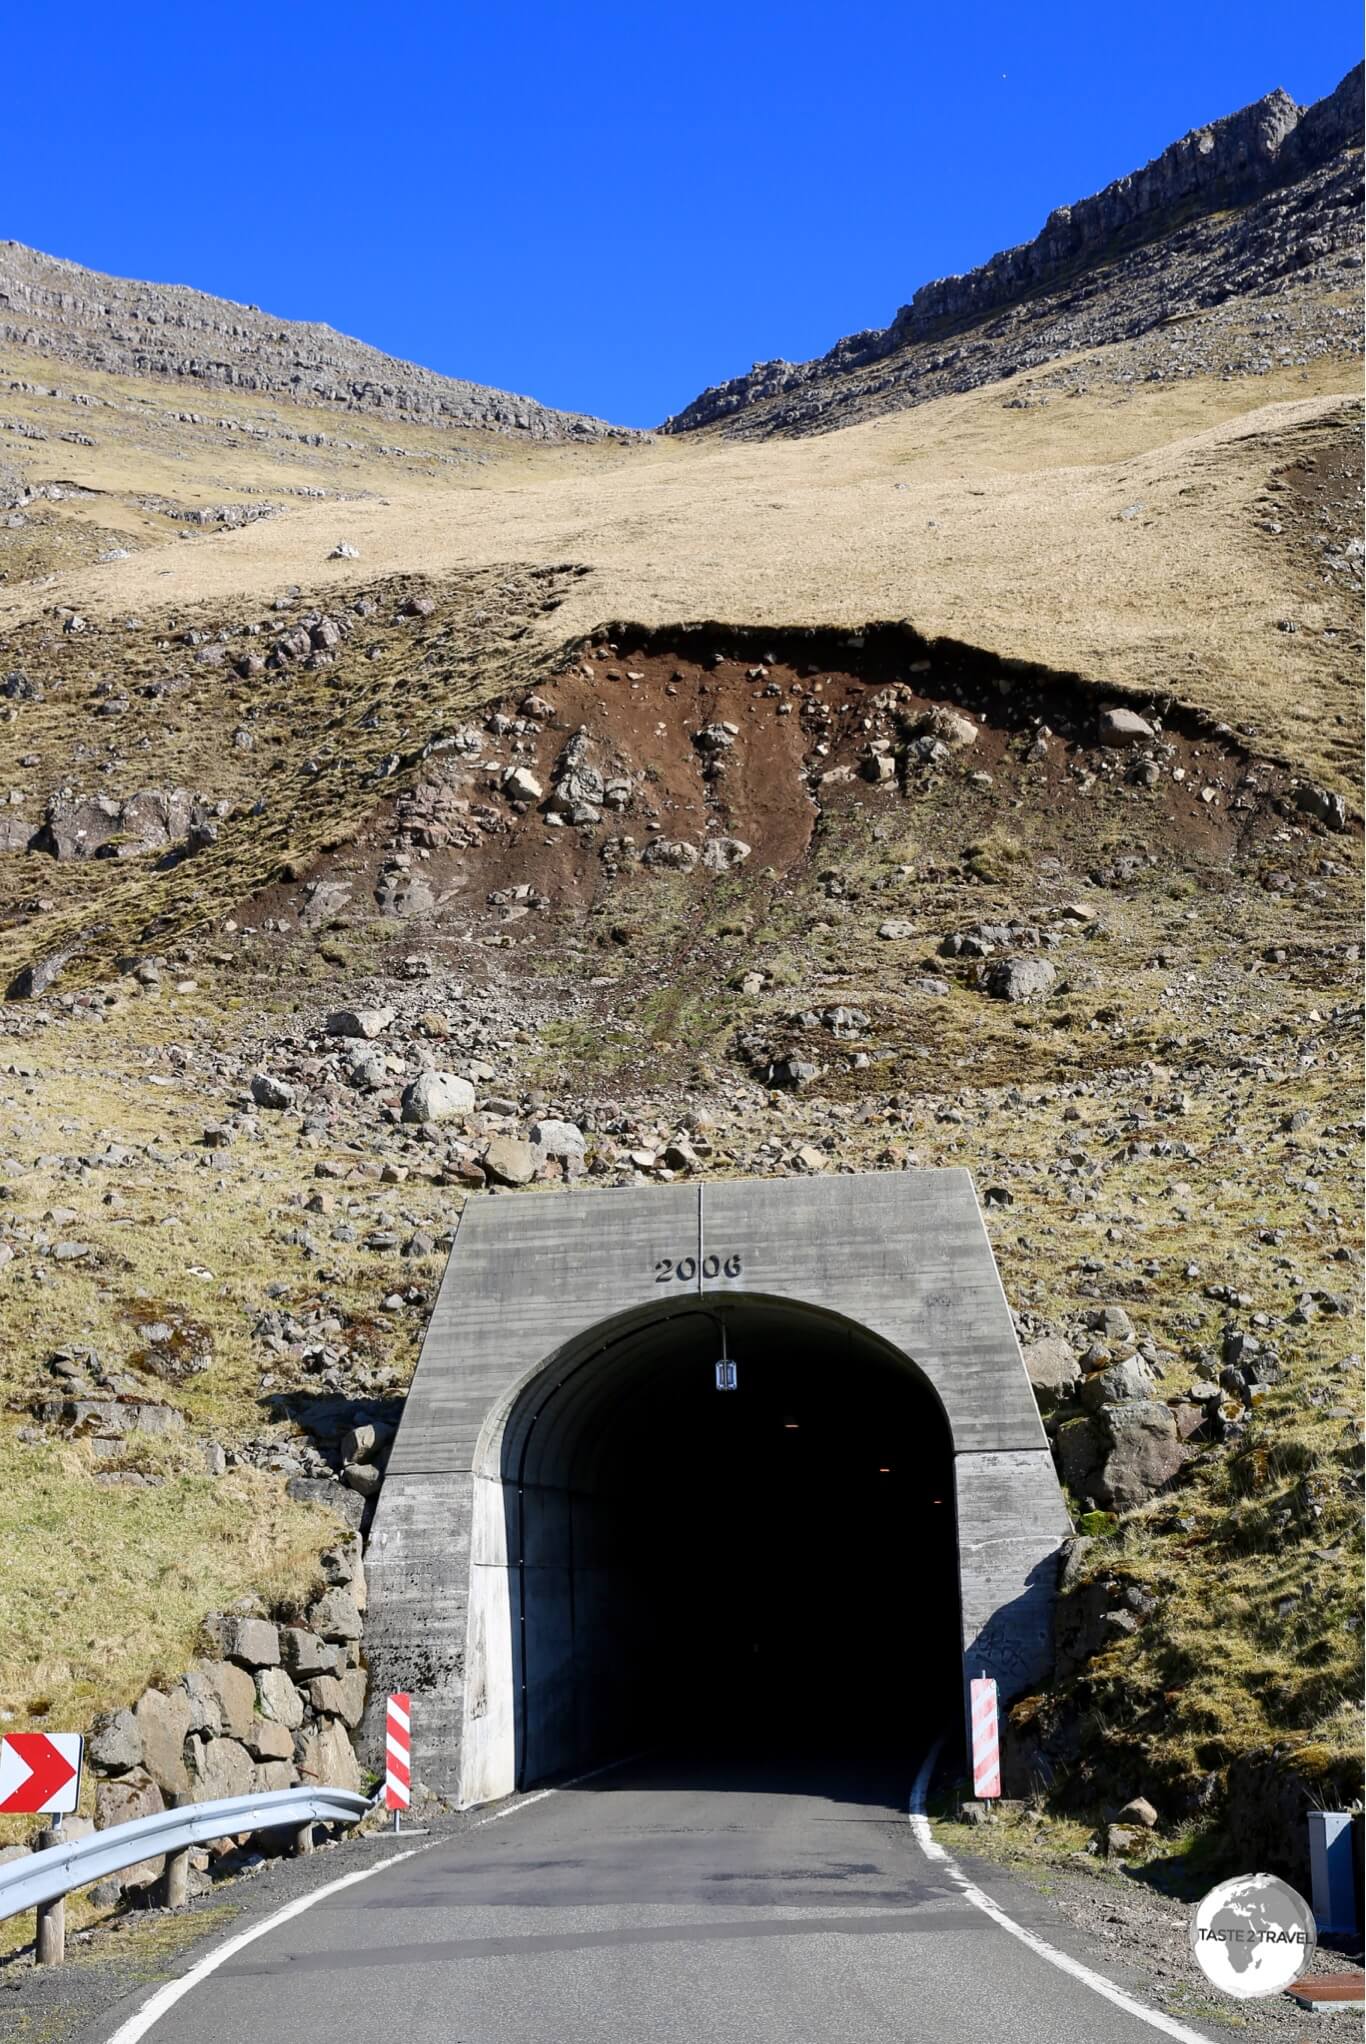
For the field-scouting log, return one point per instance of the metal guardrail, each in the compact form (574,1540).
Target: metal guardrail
(58,1869)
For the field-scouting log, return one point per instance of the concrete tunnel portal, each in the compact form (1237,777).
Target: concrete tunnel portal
(584,1546)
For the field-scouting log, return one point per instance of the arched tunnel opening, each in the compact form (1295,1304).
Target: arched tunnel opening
(758,1574)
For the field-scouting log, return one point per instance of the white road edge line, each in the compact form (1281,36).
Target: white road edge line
(166,1997)
(512,1809)
(920,1825)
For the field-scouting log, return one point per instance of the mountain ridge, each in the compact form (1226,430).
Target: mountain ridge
(66,312)
(1234,162)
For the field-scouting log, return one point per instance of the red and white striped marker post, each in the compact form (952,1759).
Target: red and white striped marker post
(398,1776)
(986,1752)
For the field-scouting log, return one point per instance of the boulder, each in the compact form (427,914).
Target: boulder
(950,727)
(340,1564)
(1053,1371)
(1128,1379)
(1080,1453)
(16,833)
(336,1616)
(116,1745)
(323,1754)
(251,1642)
(509,1161)
(219,1767)
(367,1069)
(327,1492)
(1111,1322)
(675,853)
(363,1443)
(131,1796)
(1191,1419)
(270,1740)
(363,1477)
(561,1140)
(163,1722)
(88,826)
(1142,1452)
(34,979)
(1122,1841)
(271,1093)
(1138,1811)
(277,1698)
(521,785)
(339,1696)
(222,1696)
(579,787)
(719,854)
(273,1774)
(1117,726)
(1072,1560)
(1323,804)
(436,1096)
(362,1022)
(354,1685)
(1020,979)
(303,1653)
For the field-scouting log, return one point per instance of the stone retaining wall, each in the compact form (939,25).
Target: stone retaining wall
(273,1704)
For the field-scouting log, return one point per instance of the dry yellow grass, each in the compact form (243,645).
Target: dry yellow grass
(969,517)
(104,1586)
(1000,526)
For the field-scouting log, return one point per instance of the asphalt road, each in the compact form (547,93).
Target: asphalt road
(659,1905)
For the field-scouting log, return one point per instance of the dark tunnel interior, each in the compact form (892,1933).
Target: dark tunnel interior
(760,1575)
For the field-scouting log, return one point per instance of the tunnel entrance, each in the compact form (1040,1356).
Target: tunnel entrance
(765,1570)
(582,1544)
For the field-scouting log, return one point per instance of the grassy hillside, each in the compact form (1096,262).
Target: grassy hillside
(1137,1137)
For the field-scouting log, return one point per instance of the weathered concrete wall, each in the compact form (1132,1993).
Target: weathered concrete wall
(903,1257)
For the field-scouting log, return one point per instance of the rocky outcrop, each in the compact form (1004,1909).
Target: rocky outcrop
(134,827)
(70,314)
(1237,206)
(1223,164)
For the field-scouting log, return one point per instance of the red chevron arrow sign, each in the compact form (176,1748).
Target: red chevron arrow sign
(40,1772)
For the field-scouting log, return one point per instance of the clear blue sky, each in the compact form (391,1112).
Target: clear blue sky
(607,206)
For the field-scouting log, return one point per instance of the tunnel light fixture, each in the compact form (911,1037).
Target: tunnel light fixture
(790,1425)
(884,1469)
(726,1379)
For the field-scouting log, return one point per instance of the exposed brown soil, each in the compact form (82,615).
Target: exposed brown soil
(804,707)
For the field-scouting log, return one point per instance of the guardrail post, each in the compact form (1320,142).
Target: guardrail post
(175,1881)
(303,1838)
(51,1942)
